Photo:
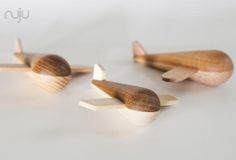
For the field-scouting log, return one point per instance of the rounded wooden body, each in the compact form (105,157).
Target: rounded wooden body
(141,105)
(214,67)
(139,118)
(51,72)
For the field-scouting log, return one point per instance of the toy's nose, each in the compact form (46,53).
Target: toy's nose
(52,65)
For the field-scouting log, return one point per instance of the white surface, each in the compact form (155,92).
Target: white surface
(35,125)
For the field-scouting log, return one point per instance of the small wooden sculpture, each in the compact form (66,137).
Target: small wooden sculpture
(140,105)
(51,72)
(210,67)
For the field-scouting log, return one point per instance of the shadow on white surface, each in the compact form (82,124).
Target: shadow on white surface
(35,125)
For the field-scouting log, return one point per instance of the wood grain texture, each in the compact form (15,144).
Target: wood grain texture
(135,98)
(139,105)
(51,72)
(205,61)
(52,65)
(51,84)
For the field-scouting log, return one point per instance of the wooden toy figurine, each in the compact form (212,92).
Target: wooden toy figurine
(210,67)
(139,105)
(51,72)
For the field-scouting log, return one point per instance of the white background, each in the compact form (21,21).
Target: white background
(36,125)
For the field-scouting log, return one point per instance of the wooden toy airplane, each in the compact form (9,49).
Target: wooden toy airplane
(210,67)
(139,105)
(51,72)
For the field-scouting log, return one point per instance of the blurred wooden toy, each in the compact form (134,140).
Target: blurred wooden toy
(139,105)
(210,67)
(51,72)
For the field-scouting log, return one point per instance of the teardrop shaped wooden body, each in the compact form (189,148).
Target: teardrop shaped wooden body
(50,72)
(134,98)
(214,67)
(142,105)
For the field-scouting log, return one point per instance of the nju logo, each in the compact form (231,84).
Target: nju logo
(17,15)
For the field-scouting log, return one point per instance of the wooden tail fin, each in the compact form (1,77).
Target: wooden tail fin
(99,72)
(138,50)
(18,46)
(19,53)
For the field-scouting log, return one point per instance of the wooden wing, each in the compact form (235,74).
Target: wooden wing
(178,74)
(14,67)
(102,104)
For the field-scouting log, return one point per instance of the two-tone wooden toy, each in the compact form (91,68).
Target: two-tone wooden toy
(140,105)
(210,67)
(50,71)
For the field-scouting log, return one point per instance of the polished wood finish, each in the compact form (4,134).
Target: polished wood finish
(52,65)
(210,63)
(51,72)
(136,98)
(139,105)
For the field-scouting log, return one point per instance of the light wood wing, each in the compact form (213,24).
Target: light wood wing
(14,67)
(178,74)
(80,69)
(167,100)
(101,104)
